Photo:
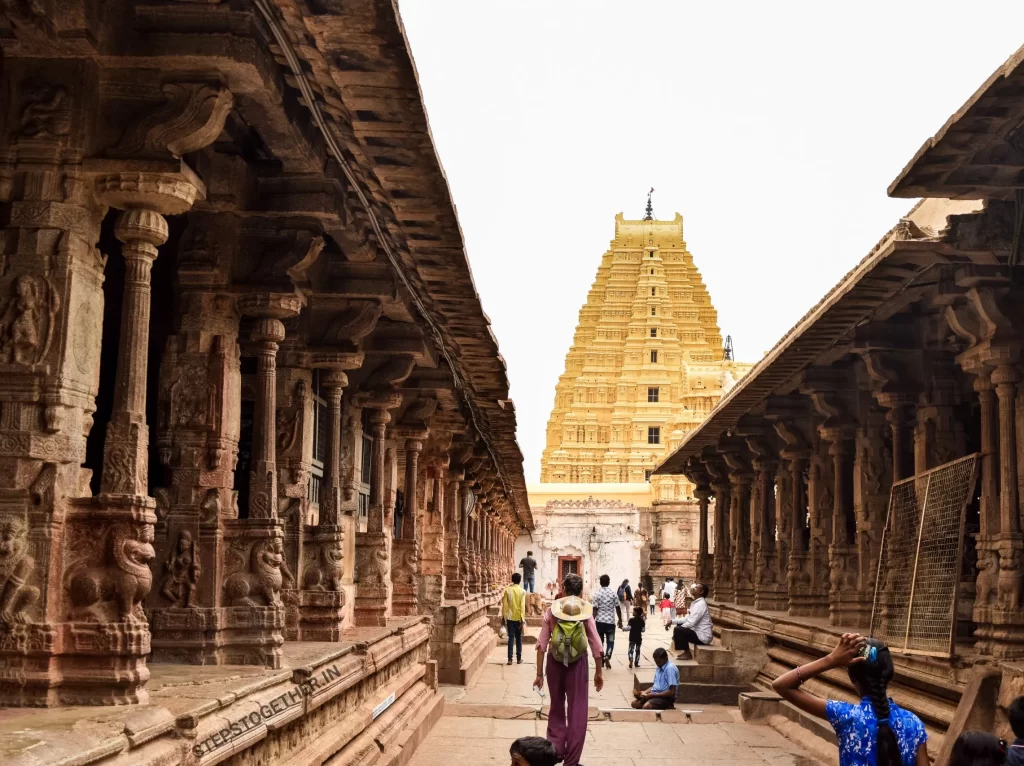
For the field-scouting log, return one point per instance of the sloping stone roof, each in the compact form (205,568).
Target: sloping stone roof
(979,152)
(355,66)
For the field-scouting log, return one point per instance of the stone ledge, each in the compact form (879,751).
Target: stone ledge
(198,706)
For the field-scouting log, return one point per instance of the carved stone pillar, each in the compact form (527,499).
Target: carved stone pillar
(108,542)
(799,566)
(406,552)
(723,586)
(705,563)
(373,547)
(871,489)
(433,552)
(323,593)
(820,502)
(843,561)
(739,533)
(769,496)
(197,435)
(466,502)
(454,584)
(475,578)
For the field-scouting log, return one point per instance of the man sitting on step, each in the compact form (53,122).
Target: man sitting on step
(662,694)
(695,627)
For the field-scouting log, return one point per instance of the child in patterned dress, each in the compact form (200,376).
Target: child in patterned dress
(877,732)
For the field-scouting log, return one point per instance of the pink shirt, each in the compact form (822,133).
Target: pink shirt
(596,647)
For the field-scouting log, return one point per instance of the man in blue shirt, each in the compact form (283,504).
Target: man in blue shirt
(662,693)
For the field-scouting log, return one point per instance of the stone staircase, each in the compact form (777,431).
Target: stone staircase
(718,674)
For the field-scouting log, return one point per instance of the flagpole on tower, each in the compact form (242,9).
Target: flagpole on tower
(649,216)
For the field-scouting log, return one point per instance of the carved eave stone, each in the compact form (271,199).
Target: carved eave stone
(271,305)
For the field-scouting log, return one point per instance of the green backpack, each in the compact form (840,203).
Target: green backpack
(568,641)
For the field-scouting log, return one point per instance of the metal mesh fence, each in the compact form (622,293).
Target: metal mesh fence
(914,609)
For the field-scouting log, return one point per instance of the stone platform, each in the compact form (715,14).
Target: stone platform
(370,697)
(463,635)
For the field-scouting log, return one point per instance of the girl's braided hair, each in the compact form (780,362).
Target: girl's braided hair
(871,678)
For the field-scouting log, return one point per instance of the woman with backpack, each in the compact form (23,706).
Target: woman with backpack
(566,633)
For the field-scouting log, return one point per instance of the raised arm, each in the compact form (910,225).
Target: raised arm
(788,684)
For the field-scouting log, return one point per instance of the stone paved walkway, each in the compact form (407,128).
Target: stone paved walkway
(482,721)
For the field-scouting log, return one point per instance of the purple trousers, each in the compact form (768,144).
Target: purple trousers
(567,729)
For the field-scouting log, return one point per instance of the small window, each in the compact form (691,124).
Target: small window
(654,357)
(652,253)
(654,311)
(652,394)
(654,291)
(653,435)
(652,272)
(654,332)
(647,475)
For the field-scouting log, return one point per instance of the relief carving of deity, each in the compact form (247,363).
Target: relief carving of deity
(182,572)
(17,596)
(27,324)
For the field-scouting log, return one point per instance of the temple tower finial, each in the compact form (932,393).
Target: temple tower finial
(649,215)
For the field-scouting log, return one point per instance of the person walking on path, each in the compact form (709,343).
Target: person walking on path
(695,628)
(569,629)
(667,610)
(625,594)
(669,587)
(641,599)
(875,732)
(662,694)
(605,604)
(513,613)
(680,598)
(529,566)
(637,625)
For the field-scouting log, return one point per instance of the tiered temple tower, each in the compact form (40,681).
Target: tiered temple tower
(646,366)
(647,363)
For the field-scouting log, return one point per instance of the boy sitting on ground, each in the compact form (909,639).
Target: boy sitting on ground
(662,694)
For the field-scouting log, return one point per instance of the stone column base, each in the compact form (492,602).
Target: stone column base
(321,615)
(454,590)
(405,596)
(237,635)
(373,575)
(845,602)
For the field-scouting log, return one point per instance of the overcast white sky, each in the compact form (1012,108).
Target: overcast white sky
(774,128)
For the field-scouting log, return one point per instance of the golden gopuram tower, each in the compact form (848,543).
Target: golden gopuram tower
(646,366)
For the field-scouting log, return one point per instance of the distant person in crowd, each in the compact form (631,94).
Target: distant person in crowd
(669,587)
(1015,753)
(605,604)
(667,610)
(625,594)
(876,731)
(978,748)
(568,630)
(662,694)
(513,613)
(695,627)
(533,751)
(552,589)
(637,625)
(641,598)
(529,566)
(680,597)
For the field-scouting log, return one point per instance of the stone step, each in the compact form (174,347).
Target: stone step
(718,685)
(742,639)
(713,655)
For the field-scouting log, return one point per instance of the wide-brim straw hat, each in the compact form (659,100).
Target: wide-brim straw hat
(572,608)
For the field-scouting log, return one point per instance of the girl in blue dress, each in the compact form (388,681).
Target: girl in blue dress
(876,732)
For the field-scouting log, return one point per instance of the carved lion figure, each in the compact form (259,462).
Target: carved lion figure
(988,576)
(114,591)
(327,572)
(265,577)
(16,567)
(1011,581)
